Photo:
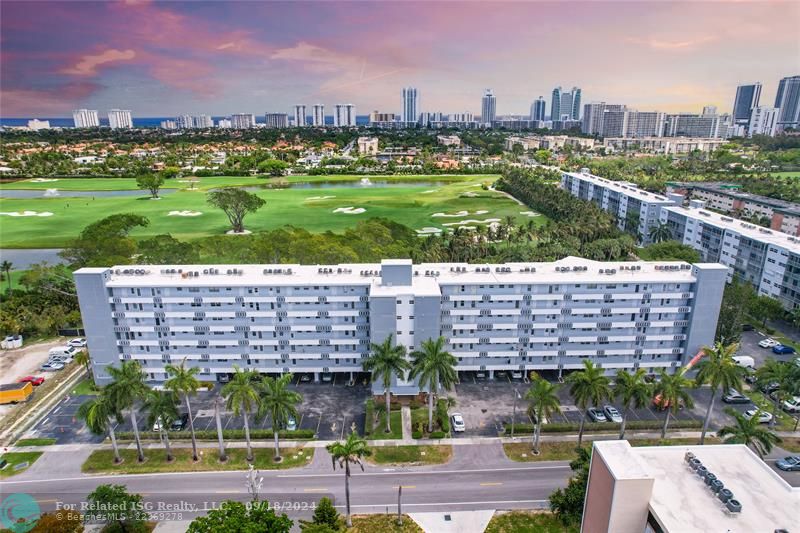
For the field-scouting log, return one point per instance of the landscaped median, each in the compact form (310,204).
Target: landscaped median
(599,427)
(383,523)
(411,455)
(35,442)
(102,461)
(376,422)
(227,435)
(565,450)
(15,461)
(521,521)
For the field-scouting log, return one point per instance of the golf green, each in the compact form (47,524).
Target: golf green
(316,209)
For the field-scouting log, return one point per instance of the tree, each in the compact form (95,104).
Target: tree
(325,515)
(766,308)
(242,398)
(82,358)
(588,386)
(660,232)
(280,403)
(672,391)
(435,368)
(151,182)
(735,302)
(785,377)
(273,167)
(126,388)
(386,361)
(183,381)
(100,414)
(718,370)
(748,432)
(351,451)
(543,402)
(105,242)
(6,267)
(669,251)
(218,419)
(115,506)
(567,503)
(166,250)
(236,517)
(236,203)
(162,410)
(65,521)
(632,389)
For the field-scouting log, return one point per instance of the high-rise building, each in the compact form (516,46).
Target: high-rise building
(276,120)
(410,113)
(243,121)
(538,109)
(593,115)
(203,121)
(85,118)
(787,100)
(169,125)
(119,118)
(709,110)
(576,103)
(299,115)
(344,116)
(488,107)
(691,125)
(36,124)
(318,118)
(565,107)
(555,104)
(224,123)
(461,118)
(184,122)
(619,121)
(747,97)
(763,121)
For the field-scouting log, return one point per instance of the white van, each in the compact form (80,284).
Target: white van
(745,360)
(63,352)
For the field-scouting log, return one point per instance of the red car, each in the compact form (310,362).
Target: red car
(33,380)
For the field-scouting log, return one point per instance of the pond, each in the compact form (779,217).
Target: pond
(22,259)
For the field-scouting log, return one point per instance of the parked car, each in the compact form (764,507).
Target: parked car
(480,375)
(612,414)
(51,367)
(327,377)
(457,423)
(747,327)
(77,343)
(305,378)
(792,405)
(745,361)
(63,351)
(516,374)
(768,343)
(782,349)
(790,464)
(764,417)
(769,388)
(751,378)
(179,424)
(291,423)
(157,424)
(596,414)
(33,380)
(662,404)
(734,396)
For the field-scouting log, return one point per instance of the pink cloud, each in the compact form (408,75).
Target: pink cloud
(87,66)
(659,44)
(44,102)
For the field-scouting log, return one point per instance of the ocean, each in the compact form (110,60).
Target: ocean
(143,122)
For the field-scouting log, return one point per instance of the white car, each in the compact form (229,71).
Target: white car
(763,416)
(768,343)
(77,343)
(457,423)
(792,405)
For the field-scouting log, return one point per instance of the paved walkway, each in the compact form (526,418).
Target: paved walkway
(405,413)
(453,522)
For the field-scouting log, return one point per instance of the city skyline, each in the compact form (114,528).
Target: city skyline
(168,59)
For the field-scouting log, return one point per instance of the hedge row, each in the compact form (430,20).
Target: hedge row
(567,427)
(227,434)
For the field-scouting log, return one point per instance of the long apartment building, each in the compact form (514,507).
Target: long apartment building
(766,258)
(322,319)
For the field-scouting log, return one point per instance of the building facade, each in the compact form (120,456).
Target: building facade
(488,108)
(276,120)
(203,121)
(787,99)
(538,109)
(299,115)
(344,115)
(763,121)
(243,121)
(35,124)
(120,118)
(321,319)
(184,122)
(663,145)
(318,118)
(410,113)
(85,118)
(747,98)
(368,145)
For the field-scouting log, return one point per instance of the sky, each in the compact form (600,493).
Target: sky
(214,57)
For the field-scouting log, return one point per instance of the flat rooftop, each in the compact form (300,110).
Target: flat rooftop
(682,503)
(732,190)
(425,275)
(622,188)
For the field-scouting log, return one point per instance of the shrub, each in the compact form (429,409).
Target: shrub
(370,415)
(437,435)
(567,427)
(416,434)
(442,418)
(228,434)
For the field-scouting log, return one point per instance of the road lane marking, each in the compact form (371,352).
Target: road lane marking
(405,487)
(491,484)
(227,491)
(427,504)
(316,490)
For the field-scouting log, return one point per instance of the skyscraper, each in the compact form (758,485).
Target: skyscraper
(243,121)
(747,97)
(299,115)
(345,116)
(565,105)
(787,100)
(555,104)
(120,118)
(203,121)
(410,113)
(184,122)
(276,120)
(576,103)
(763,121)
(318,118)
(538,109)
(85,118)
(488,107)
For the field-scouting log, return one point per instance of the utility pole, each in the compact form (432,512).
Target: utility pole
(399,507)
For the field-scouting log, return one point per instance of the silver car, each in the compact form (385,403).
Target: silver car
(612,414)
(458,423)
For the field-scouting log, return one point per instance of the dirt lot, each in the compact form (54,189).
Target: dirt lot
(25,361)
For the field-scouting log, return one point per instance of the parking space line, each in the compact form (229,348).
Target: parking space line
(491,484)
(321,489)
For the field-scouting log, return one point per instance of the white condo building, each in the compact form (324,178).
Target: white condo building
(344,115)
(36,124)
(318,118)
(410,113)
(488,108)
(243,121)
(120,118)
(763,121)
(85,118)
(203,121)
(321,319)
(184,122)
(276,120)
(299,115)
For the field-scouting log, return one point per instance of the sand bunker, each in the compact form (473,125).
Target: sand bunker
(430,191)
(320,197)
(429,231)
(27,214)
(184,213)
(243,232)
(530,213)
(459,214)
(469,195)
(43,180)
(350,210)
(464,222)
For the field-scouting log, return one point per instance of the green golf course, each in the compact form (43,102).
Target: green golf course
(412,201)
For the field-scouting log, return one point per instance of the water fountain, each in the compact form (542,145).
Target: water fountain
(51,193)
(365,182)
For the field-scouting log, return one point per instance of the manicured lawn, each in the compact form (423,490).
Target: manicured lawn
(411,455)
(764,402)
(85,387)
(527,522)
(379,431)
(128,184)
(565,451)
(312,209)
(791,444)
(15,458)
(383,523)
(35,442)
(102,461)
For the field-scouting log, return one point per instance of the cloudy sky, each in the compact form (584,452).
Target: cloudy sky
(167,58)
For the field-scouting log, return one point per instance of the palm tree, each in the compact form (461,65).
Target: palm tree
(242,398)
(387,360)
(588,386)
(543,401)
(351,451)
(279,402)
(101,415)
(718,369)
(660,232)
(6,267)
(162,409)
(222,455)
(183,381)
(672,390)
(435,368)
(748,432)
(633,390)
(785,376)
(126,388)
(82,358)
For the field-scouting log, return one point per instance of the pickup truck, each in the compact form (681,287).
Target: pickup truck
(15,392)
